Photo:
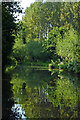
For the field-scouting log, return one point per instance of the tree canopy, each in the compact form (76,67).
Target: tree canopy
(48,31)
(8,28)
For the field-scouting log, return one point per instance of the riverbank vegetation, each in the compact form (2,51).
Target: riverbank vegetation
(49,34)
(9,27)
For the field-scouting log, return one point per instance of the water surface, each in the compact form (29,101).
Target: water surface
(38,94)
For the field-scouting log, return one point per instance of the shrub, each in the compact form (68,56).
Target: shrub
(74,66)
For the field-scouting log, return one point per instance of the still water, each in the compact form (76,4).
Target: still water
(40,94)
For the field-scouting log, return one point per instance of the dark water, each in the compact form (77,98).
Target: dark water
(30,93)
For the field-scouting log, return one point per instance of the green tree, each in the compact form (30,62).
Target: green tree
(70,12)
(68,46)
(68,49)
(8,25)
(40,18)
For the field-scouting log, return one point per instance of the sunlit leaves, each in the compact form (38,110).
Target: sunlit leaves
(67,46)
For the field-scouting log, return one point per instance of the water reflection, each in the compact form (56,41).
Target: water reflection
(18,111)
(46,96)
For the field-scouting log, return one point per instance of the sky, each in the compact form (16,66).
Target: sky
(24,4)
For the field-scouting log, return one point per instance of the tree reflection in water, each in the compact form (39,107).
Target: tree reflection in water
(46,96)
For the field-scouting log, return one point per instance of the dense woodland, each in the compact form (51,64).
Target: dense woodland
(49,33)
(8,27)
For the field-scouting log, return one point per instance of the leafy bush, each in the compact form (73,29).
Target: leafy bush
(50,43)
(74,66)
(31,51)
(68,47)
(19,53)
(35,51)
(53,65)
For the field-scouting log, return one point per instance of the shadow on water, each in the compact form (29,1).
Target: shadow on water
(6,97)
(8,110)
(38,94)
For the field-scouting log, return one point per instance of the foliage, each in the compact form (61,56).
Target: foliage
(56,34)
(70,14)
(38,21)
(65,45)
(31,51)
(62,65)
(34,50)
(68,46)
(74,66)
(51,35)
(49,31)
(65,95)
(56,95)
(50,42)
(8,26)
